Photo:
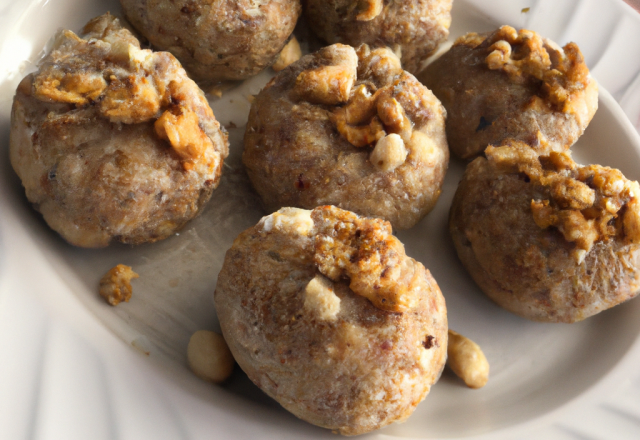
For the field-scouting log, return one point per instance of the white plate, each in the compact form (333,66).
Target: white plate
(65,373)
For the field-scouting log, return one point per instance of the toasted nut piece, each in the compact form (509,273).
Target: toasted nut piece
(115,285)
(467,360)
(389,153)
(180,127)
(362,135)
(290,53)
(393,115)
(330,85)
(370,9)
(209,356)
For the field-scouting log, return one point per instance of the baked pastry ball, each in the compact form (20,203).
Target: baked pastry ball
(511,84)
(216,41)
(112,142)
(326,313)
(546,238)
(348,128)
(411,28)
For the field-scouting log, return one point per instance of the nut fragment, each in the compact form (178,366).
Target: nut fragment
(330,85)
(115,285)
(290,53)
(320,300)
(369,9)
(389,153)
(180,127)
(365,251)
(467,360)
(209,356)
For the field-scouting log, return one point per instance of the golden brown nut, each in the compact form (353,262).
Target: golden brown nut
(209,356)
(326,314)
(289,54)
(348,128)
(112,141)
(512,84)
(467,360)
(115,285)
(413,29)
(217,41)
(546,238)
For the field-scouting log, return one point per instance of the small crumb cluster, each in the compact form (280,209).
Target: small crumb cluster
(115,285)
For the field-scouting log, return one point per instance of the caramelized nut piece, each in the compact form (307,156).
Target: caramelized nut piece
(467,360)
(389,153)
(369,9)
(209,356)
(130,100)
(290,53)
(330,85)
(365,251)
(115,285)
(180,127)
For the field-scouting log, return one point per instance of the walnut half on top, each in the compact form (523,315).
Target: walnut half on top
(113,142)
(349,128)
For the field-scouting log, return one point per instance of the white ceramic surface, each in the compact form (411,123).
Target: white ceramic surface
(73,367)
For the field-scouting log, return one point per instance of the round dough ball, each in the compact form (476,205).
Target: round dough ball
(112,142)
(326,314)
(348,128)
(545,238)
(411,28)
(511,84)
(217,41)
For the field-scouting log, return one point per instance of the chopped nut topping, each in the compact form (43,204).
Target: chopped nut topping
(365,251)
(524,54)
(290,53)
(130,100)
(366,118)
(369,9)
(180,127)
(115,285)
(471,39)
(130,85)
(586,203)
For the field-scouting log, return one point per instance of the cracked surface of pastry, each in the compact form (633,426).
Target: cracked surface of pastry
(326,313)
(413,29)
(546,238)
(512,84)
(113,142)
(349,128)
(224,40)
